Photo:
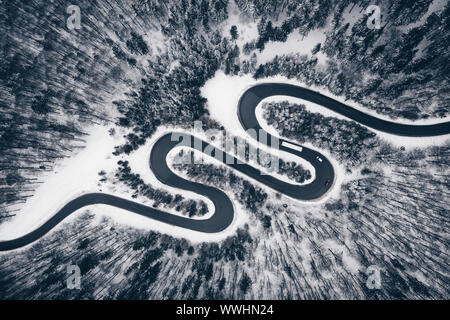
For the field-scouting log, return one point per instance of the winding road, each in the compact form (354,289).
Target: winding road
(224,211)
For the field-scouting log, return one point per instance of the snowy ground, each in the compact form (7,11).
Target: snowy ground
(294,44)
(71,177)
(246,27)
(351,14)
(435,7)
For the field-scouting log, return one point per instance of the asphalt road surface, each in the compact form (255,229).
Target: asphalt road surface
(224,211)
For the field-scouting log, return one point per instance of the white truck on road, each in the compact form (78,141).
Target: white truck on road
(291,146)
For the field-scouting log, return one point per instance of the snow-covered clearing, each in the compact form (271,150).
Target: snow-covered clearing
(295,43)
(351,14)
(435,7)
(247,29)
(71,177)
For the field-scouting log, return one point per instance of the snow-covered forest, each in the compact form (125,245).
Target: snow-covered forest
(139,66)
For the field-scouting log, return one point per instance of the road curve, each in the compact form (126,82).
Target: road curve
(224,212)
(255,94)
